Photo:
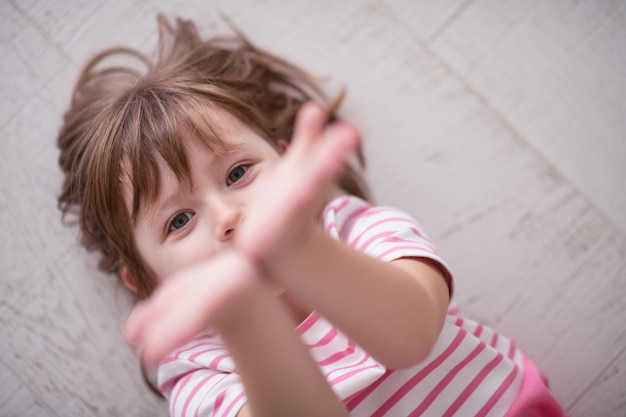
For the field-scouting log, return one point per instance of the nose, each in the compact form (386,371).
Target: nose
(228,216)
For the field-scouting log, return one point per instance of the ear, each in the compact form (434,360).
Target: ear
(128,279)
(283,145)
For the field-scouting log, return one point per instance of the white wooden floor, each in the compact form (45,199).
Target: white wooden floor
(500,124)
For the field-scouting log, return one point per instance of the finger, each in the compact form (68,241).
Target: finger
(145,312)
(328,158)
(308,126)
(193,302)
(134,324)
(340,140)
(170,331)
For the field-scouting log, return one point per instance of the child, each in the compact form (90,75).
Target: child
(219,192)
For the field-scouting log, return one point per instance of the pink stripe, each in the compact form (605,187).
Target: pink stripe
(332,227)
(324,340)
(178,354)
(494,339)
(359,363)
(432,396)
(369,241)
(350,374)
(399,248)
(365,212)
(459,321)
(479,330)
(473,385)
(411,383)
(216,361)
(454,311)
(338,356)
(307,323)
(233,403)
(360,396)
(167,360)
(388,238)
(338,204)
(378,210)
(512,349)
(358,213)
(348,221)
(169,383)
(202,352)
(356,239)
(418,233)
(194,392)
(219,400)
(499,392)
(180,388)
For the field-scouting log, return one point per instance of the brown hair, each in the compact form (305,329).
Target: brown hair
(121,118)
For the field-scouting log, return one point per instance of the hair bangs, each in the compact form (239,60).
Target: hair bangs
(159,123)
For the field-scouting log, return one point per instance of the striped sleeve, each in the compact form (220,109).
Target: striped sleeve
(347,367)
(385,233)
(198,379)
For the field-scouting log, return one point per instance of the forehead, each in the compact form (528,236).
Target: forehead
(157,139)
(163,151)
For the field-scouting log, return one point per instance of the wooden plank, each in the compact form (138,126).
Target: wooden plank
(554,70)
(609,389)
(26,52)
(71,353)
(16,399)
(424,18)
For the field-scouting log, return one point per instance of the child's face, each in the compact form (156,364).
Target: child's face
(186,226)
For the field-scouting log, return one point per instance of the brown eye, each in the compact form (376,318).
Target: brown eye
(180,220)
(236,174)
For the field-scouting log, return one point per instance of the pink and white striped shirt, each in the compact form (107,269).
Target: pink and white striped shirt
(471,371)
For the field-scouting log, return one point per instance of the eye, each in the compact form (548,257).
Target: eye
(179,221)
(236,174)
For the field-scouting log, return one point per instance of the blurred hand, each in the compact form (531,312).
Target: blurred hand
(214,292)
(296,189)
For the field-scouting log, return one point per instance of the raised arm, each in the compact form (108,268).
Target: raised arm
(279,375)
(393,310)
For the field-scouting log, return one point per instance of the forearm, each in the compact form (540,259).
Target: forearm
(229,294)
(393,310)
(279,375)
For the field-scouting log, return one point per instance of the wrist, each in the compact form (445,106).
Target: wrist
(290,263)
(246,281)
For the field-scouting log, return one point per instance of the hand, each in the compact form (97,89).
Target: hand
(292,193)
(210,293)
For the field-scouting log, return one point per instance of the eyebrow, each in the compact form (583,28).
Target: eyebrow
(155,213)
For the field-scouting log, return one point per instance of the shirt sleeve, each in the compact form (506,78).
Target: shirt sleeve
(198,379)
(385,233)
(348,368)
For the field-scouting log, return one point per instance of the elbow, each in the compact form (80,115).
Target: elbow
(410,351)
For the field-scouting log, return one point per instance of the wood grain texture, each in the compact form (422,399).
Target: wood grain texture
(17,399)
(555,71)
(497,125)
(606,394)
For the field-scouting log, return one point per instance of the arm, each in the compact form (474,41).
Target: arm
(394,310)
(279,376)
